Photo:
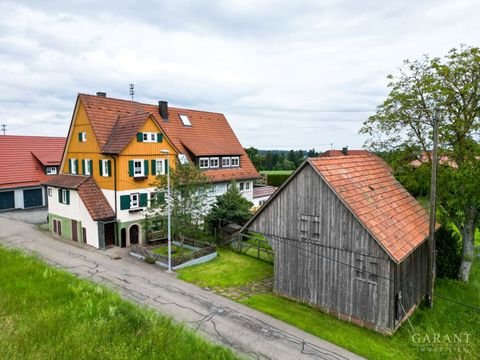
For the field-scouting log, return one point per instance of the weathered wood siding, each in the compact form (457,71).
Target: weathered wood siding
(411,280)
(320,268)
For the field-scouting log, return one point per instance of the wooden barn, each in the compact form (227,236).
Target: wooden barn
(349,239)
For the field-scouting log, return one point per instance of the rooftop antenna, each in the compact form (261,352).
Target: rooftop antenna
(4,128)
(132,91)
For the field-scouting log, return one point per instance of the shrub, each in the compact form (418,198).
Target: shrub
(449,255)
(276,179)
(150,260)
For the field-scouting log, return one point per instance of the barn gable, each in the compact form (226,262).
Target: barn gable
(319,246)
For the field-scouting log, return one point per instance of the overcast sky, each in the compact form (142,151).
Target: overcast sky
(287,74)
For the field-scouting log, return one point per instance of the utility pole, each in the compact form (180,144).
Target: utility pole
(433,209)
(132,91)
(4,128)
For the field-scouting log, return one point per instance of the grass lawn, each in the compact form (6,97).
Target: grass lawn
(176,250)
(46,313)
(228,269)
(233,269)
(279,172)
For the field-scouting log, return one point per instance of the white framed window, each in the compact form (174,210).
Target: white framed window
(226,161)
(214,162)
(49,192)
(185,120)
(204,163)
(105,171)
(261,202)
(138,168)
(211,190)
(51,170)
(73,166)
(149,137)
(160,166)
(241,186)
(235,161)
(88,168)
(82,136)
(64,199)
(134,200)
(247,185)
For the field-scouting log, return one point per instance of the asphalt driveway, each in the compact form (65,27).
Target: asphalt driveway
(247,331)
(30,216)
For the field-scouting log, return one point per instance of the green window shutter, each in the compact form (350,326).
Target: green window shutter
(145,167)
(143,199)
(109,167)
(161,198)
(91,166)
(68,197)
(100,167)
(83,167)
(124,202)
(69,166)
(80,136)
(130,169)
(76,166)
(140,137)
(166,166)
(159,137)
(154,167)
(59,195)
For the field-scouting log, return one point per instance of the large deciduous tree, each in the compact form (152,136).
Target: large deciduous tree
(405,120)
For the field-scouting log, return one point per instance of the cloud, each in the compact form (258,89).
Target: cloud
(286,73)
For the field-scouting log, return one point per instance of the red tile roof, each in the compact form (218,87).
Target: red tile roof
(91,195)
(22,157)
(125,129)
(262,191)
(367,187)
(210,133)
(95,201)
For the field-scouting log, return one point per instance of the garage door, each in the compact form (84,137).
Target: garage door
(32,197)
(7,200)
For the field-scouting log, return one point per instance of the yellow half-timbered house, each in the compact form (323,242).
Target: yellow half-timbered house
(115,149)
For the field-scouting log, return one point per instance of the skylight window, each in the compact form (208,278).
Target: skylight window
(185,120)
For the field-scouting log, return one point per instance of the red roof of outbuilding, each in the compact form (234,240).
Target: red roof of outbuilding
(209,133)
(262,191)
(91,195)
(22,159)
(367,187)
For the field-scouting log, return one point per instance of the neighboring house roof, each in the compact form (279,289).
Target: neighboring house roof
(91,195)
(331,153)
(209,134)
(367,187)
(22,157)
(262,191)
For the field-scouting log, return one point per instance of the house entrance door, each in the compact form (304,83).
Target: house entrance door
(134,234)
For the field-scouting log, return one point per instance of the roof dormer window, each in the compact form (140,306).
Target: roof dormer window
(185,120)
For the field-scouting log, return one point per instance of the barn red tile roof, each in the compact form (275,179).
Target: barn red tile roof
(366,185)
(262,191)
(91,195)
(22,157)
(209,134)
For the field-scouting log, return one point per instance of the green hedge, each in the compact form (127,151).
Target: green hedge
(449,253)
(277,179)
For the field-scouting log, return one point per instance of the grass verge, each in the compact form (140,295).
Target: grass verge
(46,313)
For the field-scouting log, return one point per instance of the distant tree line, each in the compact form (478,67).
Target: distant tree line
(279,159)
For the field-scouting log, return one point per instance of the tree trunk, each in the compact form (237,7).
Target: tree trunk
(468,237)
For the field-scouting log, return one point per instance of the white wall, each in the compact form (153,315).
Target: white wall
(256,201)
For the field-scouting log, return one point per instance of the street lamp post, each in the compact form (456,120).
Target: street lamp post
(169,213)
